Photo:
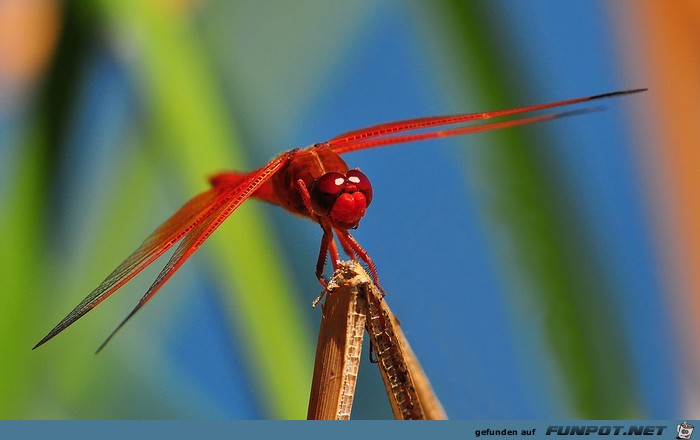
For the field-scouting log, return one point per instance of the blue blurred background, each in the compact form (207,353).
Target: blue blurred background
(527,266)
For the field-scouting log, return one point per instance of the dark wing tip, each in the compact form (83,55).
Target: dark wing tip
(40,343)
(619,93)
(56,330)
(121,324)
(77,313)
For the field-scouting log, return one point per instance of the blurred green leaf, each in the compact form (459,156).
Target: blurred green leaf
(541,258)
(21,235)
(196,135)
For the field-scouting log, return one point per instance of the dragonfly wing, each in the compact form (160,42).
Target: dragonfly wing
(400,139)
(377,135)
(168,234)
(226,204)
(187,247)
(154,246)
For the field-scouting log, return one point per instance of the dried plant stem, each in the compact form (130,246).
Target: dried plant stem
(352,304)
(338,349)
(403,375)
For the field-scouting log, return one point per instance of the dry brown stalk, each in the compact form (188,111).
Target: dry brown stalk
(353,303)
(409,390)
(338,349)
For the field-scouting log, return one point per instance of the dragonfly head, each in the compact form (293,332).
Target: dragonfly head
(343,198)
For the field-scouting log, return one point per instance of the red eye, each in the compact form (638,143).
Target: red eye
(357,178)
(325,191)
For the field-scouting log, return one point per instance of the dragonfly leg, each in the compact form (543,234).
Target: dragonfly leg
(372,356)
(326,241)
(346,248)
(348,241)
(306,198)
(333,250)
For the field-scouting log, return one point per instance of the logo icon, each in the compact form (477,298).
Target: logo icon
(684,430)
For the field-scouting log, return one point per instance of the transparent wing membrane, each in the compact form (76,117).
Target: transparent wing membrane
(194,222)
(379,135)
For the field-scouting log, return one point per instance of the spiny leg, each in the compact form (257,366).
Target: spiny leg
(347,240)
(335,257)
(306,198)
(326,240)
(346,248)
(327,243)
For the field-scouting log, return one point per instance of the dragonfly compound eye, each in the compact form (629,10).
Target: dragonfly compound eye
(325,190)
(342,197)
(361,182)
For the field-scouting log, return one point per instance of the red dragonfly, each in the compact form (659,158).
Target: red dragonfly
(313,182)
